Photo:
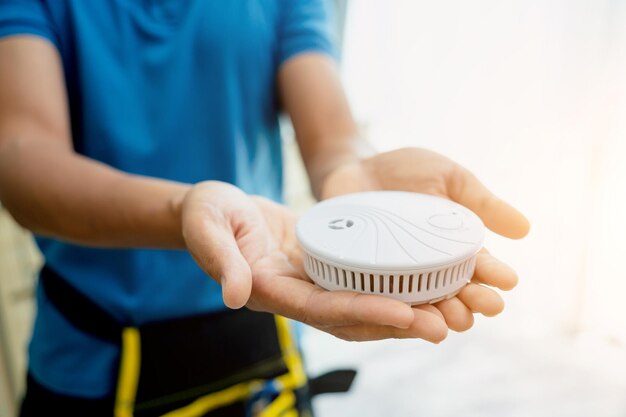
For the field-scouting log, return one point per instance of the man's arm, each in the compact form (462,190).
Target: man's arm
(340,162)
(53,191)
(50,189)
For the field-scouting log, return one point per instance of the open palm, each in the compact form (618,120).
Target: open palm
(248,244)
(420,170)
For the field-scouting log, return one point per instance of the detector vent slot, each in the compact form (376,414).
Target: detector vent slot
(406,284)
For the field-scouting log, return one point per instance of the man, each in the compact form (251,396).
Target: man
(130,130)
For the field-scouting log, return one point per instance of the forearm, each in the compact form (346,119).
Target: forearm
(53,191)
(327,133)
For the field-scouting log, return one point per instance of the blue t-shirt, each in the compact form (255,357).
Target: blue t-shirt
(176,89)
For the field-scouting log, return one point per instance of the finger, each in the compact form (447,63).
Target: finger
(431,309)
(426,325)
(491,271)
(481,299)
(305,302)
(214,248)
(497,215)
(456,314)
(339,307)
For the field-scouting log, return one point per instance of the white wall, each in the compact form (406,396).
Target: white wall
(531,96)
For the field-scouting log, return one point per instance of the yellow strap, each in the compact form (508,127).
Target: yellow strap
(130,363)
(296,377)
(285,401)
(216,400)
(290,413)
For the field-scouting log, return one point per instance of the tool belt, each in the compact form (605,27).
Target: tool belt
(229,363)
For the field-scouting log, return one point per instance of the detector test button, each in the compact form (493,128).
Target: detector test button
(446,221)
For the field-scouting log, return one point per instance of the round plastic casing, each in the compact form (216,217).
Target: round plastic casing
(416,248)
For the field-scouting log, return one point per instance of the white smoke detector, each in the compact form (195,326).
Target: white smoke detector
(416,248)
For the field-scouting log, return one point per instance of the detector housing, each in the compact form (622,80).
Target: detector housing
(416,248)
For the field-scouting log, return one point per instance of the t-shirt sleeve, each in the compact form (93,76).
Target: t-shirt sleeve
(26,17)
(305,26)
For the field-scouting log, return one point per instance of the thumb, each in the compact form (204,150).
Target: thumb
(498,215)
(214,248)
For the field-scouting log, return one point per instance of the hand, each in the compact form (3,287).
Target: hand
(423,171)
(248,245)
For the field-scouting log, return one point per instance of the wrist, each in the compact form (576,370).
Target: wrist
(336,178)
(329,165)
(175,208)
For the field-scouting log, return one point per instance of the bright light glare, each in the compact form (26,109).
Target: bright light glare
(528,95)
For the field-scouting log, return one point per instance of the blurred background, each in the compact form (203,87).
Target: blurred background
(531,96)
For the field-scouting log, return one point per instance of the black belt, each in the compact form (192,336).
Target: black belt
(183,359)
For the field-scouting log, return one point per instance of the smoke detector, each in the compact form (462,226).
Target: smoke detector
(416,248)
